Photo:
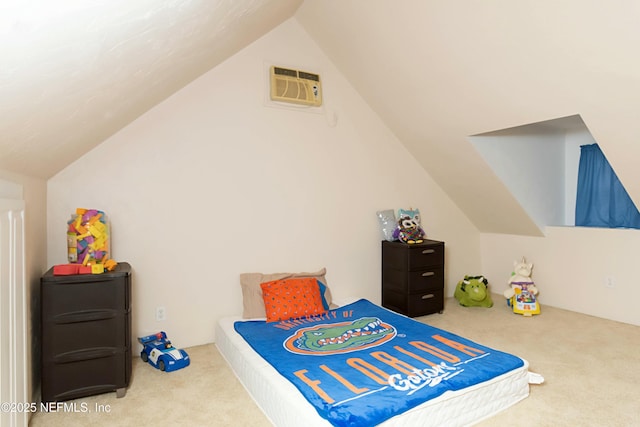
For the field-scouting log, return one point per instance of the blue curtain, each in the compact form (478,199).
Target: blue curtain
(602,201)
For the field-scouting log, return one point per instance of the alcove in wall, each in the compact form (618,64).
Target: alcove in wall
(538,163)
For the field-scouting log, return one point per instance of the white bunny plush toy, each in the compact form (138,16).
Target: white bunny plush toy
(521,276)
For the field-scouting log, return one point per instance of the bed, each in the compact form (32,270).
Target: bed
(380,375)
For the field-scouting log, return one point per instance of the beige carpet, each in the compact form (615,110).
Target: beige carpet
(591,368)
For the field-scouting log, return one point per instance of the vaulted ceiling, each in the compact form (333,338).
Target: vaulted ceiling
(72,73)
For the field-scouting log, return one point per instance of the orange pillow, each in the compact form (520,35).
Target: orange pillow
(291,298)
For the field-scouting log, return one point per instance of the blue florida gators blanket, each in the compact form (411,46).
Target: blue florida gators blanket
(361,364)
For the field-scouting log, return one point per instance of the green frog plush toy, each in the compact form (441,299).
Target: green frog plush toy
(473,291)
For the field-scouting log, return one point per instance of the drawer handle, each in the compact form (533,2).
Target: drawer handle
(84,316)
(428,273)
(428,251)
(428,296)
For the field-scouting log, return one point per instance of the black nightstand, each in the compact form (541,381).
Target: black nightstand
(413,277)
(86,334)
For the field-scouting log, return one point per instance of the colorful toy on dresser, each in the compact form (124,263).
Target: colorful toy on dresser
(521,295)
(88,240)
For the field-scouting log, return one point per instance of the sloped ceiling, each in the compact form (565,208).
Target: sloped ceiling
(438,71)
(74,72)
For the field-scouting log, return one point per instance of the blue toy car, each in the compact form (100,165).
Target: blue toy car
(158,351)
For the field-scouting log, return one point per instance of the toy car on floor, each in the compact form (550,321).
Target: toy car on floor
(524,302)
(158,351)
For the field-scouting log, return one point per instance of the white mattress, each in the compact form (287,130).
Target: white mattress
(285,406)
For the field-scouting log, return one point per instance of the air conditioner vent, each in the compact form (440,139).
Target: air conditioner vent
(298,87)
(308,76)
(285,72)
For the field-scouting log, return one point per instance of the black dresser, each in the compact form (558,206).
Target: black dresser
(86,334)
(413,277)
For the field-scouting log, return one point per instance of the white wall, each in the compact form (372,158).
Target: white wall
(532,168)
(572,266)
(10,190)
(213,182)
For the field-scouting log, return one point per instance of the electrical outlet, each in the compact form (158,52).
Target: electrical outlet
(161,313)
(610,282)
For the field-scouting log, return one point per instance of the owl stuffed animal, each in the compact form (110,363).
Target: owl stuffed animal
(409,230)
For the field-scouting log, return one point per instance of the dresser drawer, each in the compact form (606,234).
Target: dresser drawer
(79,335)
(413,305)
(426,302)
(85,373)
(63,298)
(428,279)
(425,256)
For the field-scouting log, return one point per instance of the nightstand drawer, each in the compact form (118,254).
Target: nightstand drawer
(66,295)
(425,256)
(432,278)
(426,302)
(415,304)
(86,373)
(74,336)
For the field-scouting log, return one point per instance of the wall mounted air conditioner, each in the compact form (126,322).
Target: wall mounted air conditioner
(298,87)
